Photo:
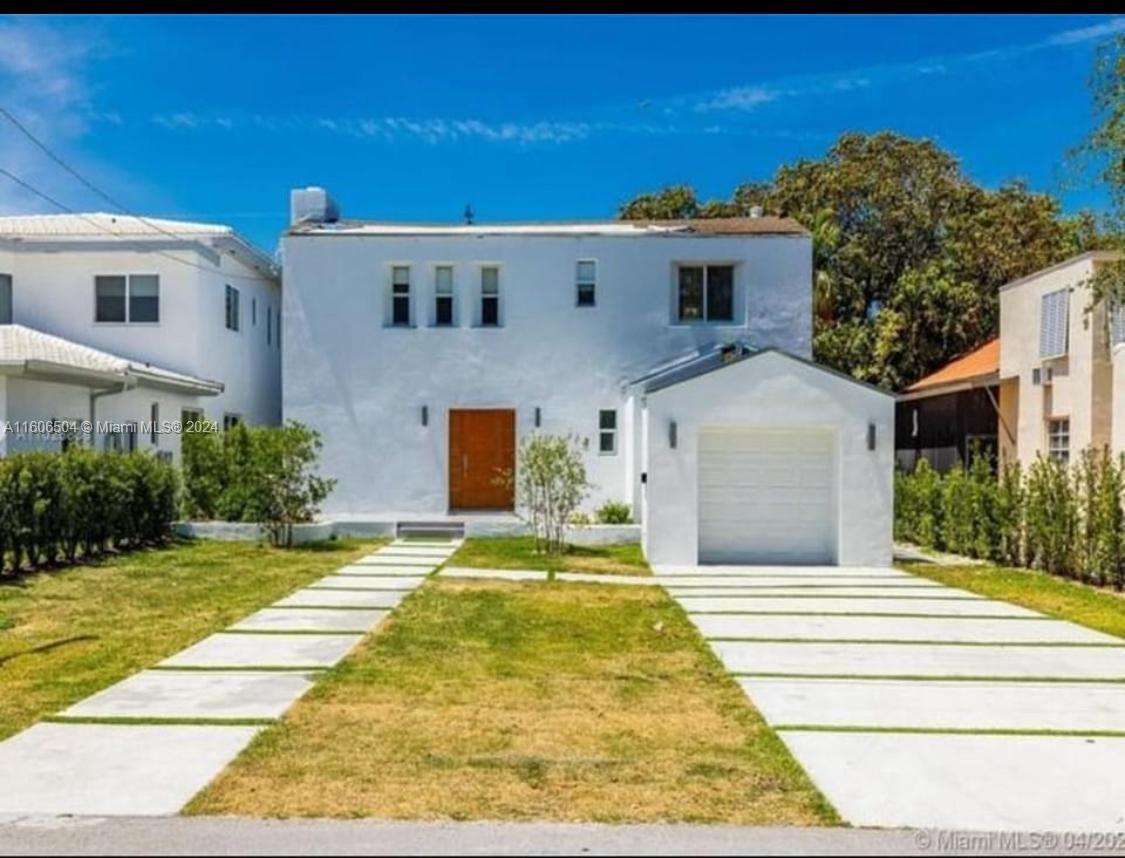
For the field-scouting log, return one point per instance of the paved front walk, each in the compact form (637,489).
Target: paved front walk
(910,703)
(146,745)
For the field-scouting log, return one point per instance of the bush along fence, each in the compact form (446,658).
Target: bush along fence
(59,507)
(255,474)
(1064,519)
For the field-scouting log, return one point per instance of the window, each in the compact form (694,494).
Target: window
(607,431)
(1116,324)
(1053,322)
(154,424)
(232,308)
(254,312)
(490,296)
(231,420)
(443,295)
(1058,440)
(191,419)
(144,298)
(121,440)
(400,295)
(124,298)
(109,299)
(587,279)
(269,325)
(706,293)
(5,299)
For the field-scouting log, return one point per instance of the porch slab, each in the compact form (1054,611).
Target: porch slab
(322,598)
(888,581)
(112,770)
(921,660)
(857,605)
(310,620)
(939,704)
(196,694)
(280,650)
(968,782)
(962,629)
(371,571)
(405,550)
(874,592)
(364,582)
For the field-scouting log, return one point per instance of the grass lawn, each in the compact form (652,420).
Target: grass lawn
(1098,609)
(494,700)
(518,552)
(71,632)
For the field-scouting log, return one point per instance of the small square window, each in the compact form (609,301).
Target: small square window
(607,431)
(231,420)
(109,296)
(144,298)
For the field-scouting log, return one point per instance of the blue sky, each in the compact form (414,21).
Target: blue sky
(410,118)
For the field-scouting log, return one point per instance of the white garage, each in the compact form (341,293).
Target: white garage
(766,496)
(760,457)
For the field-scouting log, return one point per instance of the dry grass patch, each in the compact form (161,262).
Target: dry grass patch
(490,700)
(67,633)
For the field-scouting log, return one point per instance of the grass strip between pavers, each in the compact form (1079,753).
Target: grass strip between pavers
(899,642)
(889,614)
(130,721)
(932,677)
(948,731)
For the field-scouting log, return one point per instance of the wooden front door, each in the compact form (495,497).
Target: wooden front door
(482,450)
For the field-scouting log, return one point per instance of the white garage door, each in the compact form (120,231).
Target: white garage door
(766,496)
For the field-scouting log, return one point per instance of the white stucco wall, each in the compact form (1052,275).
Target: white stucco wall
(53,291)
(363,384)
(775,391)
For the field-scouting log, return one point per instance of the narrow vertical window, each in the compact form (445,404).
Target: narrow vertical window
(269,325)
(607,431)
(490,296)
(587,279)
(231,308)
(1058,440)
(5,299)
(154,424)
(400,295)
(691,293)
(254,312)
(443,295)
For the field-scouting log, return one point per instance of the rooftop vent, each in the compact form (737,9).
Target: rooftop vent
(312,205)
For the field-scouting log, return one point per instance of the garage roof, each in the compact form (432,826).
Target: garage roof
(717,356)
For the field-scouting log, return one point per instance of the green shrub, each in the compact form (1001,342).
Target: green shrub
(263,474)
(614,512)
(957,513)
(1009,513)
(54,505)
(1051,517)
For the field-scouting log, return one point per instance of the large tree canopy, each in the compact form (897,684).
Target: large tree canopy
(908,251)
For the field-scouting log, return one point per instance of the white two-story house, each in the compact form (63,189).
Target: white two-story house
(679,352)
(125,326)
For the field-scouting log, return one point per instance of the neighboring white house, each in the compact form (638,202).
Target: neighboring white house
(679,350)
(127,322)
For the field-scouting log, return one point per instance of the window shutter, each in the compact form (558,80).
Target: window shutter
(1117,324)
(1053,321)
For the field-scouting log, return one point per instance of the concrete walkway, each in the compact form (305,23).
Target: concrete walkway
(146,745)
(915,704)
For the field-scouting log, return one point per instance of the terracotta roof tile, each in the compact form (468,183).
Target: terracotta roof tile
(980,362)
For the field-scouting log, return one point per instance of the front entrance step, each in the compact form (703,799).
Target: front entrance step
(430,530)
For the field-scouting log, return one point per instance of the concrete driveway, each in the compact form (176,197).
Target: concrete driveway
(914,704)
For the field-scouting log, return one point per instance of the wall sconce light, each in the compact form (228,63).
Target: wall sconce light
(425,415)
(870,436)
(672,434)
(538,417)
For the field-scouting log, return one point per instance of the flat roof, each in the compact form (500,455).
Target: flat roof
(736,226)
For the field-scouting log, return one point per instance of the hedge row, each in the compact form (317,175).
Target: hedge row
(55,507)
(1066,520)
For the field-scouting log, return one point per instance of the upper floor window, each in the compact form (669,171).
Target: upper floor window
(1054,319)
(232,308)
(490,296)
(705,293)
(254,312)
(443,295)
(154,424)
(269,325)
(127,298)
(400,295)
(5,299)
(1058,440)
(587,280)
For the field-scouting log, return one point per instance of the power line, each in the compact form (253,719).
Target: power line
(46,150)
(101,229)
